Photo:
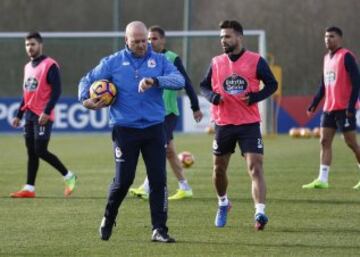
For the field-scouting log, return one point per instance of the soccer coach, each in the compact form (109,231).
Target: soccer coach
(137,117)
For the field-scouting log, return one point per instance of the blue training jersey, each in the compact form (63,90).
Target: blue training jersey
(125,70)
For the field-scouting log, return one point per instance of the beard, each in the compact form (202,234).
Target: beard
(229,48)
(33,53)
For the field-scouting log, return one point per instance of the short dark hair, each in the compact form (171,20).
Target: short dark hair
(35,35)
(232,24)
(157,29)
(335,29)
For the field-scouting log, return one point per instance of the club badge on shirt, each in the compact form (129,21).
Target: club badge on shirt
(151,63)
(329,78)
(31,84)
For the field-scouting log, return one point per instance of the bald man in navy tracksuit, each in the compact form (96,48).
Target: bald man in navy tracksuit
(137,117)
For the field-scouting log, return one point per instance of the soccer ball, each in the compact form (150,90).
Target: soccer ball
(316,132)
(305,132)
(294,132)
(186,159)
(105,89)
(210,129)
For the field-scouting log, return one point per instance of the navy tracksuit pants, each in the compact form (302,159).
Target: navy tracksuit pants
(128,143)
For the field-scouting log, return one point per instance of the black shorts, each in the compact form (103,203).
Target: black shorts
(248,136)
(338,120)
(170,125)
(33,129)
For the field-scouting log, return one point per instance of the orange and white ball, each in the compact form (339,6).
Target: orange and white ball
(104,89)
(186,158)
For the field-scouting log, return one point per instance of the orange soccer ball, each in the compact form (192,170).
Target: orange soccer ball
(186,158)
(104,89)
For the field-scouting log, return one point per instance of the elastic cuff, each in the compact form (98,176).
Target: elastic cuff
(47,112)
(195,109)
(20,115)
(156,82)
(252,98)
(215,99)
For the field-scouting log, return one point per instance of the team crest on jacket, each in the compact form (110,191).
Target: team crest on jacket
(151,63)
(31,84)
(235,84)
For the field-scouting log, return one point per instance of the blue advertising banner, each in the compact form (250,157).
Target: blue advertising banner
(70,116)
